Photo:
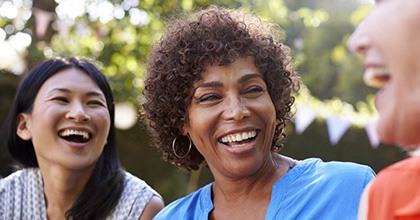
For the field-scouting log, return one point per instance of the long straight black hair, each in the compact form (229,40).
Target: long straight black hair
(104,188)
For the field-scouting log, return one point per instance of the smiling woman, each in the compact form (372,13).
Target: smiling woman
(392,64)
(60,130)
(219,93)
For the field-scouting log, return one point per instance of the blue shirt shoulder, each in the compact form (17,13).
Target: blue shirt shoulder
(313,189)
(196,205)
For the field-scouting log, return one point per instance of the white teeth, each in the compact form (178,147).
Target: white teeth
(244,136)
(238,136)
(66,133)
(376,77)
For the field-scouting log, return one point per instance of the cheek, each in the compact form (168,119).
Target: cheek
(201,127)
(201,119)
(266,110)
(104,123)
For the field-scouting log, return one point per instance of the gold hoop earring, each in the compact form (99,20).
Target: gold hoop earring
(186,154)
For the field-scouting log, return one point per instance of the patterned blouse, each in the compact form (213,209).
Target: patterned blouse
(22,197)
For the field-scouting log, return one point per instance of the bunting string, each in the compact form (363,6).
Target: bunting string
(339,116)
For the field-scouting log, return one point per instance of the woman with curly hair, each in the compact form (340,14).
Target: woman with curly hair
(219,93)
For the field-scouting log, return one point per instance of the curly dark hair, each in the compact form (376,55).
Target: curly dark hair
(211,36)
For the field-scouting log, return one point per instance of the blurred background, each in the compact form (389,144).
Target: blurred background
(334,113)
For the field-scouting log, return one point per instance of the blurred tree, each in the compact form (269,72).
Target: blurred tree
(320,30)
(118,35)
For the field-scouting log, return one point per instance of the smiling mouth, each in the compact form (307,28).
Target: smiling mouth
(238,138)
(75,136)
(376,77)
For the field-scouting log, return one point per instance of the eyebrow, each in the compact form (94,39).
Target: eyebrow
(241,80)
(90,93)
(249,76)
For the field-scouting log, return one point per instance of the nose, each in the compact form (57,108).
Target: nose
(77,113)
(236,109)
(359,41)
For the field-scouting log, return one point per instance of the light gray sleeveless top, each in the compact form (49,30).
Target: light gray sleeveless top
(22,197)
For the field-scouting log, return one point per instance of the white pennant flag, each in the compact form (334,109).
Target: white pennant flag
(372,133)
(42,20)
(337,126)
(304,117)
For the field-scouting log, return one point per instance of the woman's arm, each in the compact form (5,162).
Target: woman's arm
(152,208)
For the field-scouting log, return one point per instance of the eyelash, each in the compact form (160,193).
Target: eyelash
(95,102)
(60,99)
(209,97)
(213,97)
(255,89)
(65,100)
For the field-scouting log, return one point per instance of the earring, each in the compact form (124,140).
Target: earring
(173,148)
(277,148)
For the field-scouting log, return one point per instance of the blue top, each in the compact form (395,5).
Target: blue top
(313,189)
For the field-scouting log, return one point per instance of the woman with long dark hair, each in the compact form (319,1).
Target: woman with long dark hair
(60,131)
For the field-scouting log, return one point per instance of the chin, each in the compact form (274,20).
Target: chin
(409,145)
(405,143)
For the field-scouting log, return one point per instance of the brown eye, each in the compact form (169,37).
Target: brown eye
(255,89)
(96,103)
(209,98)
(60,99)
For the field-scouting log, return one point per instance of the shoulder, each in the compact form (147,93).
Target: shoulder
(135,197)
(154,205)
(135,184)
(401,176)
(409,165)
(338,169)
(18,178)
(334,174)
(22,195)
(395,189)
(196,204)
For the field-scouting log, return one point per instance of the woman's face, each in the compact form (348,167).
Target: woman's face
(231,119)
(389,39)
(69,123)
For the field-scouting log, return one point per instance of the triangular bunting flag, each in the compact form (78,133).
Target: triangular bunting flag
(303,118)
(42,20)
(372,133)
(337,126)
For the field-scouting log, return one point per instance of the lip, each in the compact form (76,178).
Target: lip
(74,144)
(371,64)
(241,149)
(376,75)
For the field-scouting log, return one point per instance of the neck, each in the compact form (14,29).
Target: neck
(62,187)
(249,197)
(255,186)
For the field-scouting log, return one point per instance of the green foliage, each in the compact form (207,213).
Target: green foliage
(316,31)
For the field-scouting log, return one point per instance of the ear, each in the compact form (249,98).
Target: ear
(22,127)
(184,130)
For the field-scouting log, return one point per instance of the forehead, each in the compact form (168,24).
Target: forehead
(72,79)
(241,66)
